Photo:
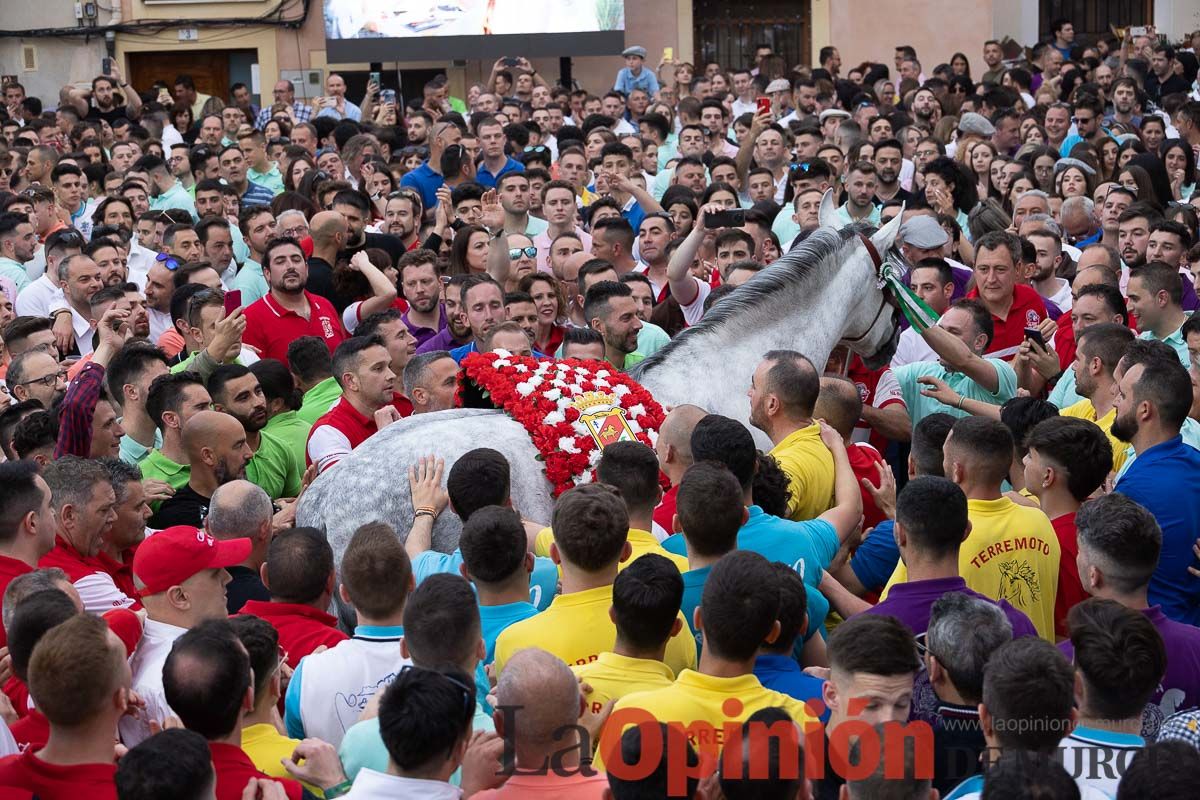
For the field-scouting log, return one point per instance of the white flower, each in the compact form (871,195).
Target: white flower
(653,434)
(567,445)
(594,457)
(581,429)
(553,393)
(620,390)
(520,368)
(636,411)
(601,382)
(603,373)
(525,389)
(633,426)
(554,417)
(563,403)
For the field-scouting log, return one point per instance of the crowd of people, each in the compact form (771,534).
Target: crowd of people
(980,560)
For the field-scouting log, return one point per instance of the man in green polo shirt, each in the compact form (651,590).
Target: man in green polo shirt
(273,467)
(1154,296)
(312,367)
(173,400)
(609,307)
(165,189)
(283,406)
(262,170)
(959,338)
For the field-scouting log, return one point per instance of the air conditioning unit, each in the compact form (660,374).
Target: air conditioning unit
(309,83)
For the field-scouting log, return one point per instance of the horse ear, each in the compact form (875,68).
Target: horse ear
(886,236)
(827,215)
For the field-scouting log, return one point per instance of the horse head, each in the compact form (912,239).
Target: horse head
(872,322)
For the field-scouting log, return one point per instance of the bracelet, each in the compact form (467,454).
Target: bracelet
(430,509)
(423,513)
(961,399)
(337,790)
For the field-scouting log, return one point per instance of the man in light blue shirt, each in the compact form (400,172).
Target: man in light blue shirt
(335,104)
(165,189)
(860,185)
(18,242)
(961,373)
(635,75)
(1154,295)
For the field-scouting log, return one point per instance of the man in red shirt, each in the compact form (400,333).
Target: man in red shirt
(85,507)
(288,312)
(674,451)
(1014,306)
(299,574)
(362,367)
(1068,459)
(80,680)
(26,522)
(840,405)
(209,683)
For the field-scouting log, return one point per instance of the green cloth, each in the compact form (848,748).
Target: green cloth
(160,468)
(271,179)
(362,747)
(920,406)
(632,359)
(651,339)
(318,400)
(134,452)
(1176,342)
(274,467)
(15,272)
(251,282)
(293,431)
(175,197)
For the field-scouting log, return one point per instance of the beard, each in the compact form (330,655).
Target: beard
(424,306)
(1125,427)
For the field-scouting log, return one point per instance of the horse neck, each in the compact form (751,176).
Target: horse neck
(810,315)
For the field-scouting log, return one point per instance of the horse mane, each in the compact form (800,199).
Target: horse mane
(794,266)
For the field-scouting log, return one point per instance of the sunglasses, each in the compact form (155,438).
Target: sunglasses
(515,253)
(535,148)
(168,261)
(467,692)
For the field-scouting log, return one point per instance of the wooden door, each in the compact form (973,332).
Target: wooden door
(208,68)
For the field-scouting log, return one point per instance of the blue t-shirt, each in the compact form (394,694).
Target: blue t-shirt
(782,674)
(493,620)
(425,181)
(484,176)
(693,589)
(543,581)
(459,353)
(1164,480)
(875,559)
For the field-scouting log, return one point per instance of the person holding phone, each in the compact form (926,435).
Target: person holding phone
(334,103)
(104,101)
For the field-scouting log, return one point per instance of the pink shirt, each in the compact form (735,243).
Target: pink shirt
(549,786)
(543,241)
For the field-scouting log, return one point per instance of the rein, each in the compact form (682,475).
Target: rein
(886,299)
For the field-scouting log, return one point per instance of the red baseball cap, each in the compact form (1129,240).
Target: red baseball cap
(171,556)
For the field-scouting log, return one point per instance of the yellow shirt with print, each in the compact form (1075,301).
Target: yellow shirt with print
(1011,554)
(613,676)
(809,467)
(576,628)
(1085,410)
(640,543)
(266,746)
(703,704)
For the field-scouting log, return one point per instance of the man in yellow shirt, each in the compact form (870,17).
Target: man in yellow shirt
(632,468)
(738,612)
(591,527)
(783,392)
(1012,552)
(261,740)
(1097,354)
(645,609)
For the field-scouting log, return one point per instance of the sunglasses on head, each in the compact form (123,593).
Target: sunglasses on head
(536,148)
(168,261)
(515,253)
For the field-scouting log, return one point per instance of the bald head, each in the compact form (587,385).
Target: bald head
(238,509)
(548,694)
(571,265)
(839,404)
(325,226)
(210,429)
(676,432)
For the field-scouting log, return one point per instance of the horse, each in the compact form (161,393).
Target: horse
(824,291)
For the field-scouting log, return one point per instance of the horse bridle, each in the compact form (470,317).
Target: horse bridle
(887,298)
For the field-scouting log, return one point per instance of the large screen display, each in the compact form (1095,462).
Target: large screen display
(395,30)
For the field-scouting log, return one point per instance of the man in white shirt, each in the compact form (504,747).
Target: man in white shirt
(329,690)
(35,300)
(933,281)
(1045,278)
(181,575)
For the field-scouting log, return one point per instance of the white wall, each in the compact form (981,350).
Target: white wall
(60,60)
(1176,18)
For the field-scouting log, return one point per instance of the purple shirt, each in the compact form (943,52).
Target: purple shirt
(443,340)
(911,603)
(423,335)
(1180,687)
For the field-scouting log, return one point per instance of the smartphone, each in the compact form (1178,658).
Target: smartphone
(233,301)
(373,77)
(1138,30)
(668,54)
(729,218)
(1035,336)
(509,61)
(106,66)
(764,105)
(387,96)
